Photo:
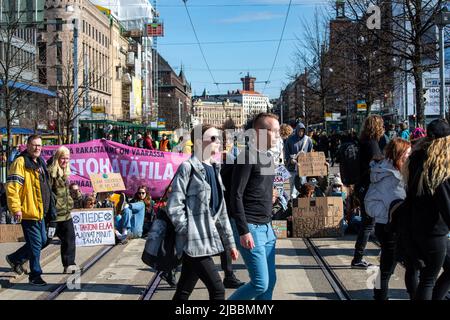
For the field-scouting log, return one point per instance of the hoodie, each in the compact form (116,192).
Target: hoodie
(295,144)
(386,185)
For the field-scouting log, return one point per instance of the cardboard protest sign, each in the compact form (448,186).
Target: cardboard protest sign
(280,228)
(317,217)
(312,164)
(93,227)
(107,182)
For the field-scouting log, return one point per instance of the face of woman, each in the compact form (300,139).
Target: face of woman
(141,194)
(64,161)
(211,142)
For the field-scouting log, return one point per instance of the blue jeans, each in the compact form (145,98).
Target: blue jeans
(36,238)
(137,212)
(122,221)
(260,262)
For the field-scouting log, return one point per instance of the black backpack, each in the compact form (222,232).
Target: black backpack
(349,163)
(159,252)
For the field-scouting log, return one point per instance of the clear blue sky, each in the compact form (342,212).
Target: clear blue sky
(232,20)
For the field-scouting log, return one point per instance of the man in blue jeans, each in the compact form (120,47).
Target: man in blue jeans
(251,210)
(30,200)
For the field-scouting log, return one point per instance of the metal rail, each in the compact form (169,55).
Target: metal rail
(331,276)
(86,266)
(152,286)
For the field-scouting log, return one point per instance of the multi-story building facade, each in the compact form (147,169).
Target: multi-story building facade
(94,54)
(219,113)
(19,26)
(174,92)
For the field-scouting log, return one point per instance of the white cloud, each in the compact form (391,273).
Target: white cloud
(250,17)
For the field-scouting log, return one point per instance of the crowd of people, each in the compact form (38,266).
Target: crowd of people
(398,187)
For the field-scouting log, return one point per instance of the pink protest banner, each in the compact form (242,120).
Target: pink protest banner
(153,169)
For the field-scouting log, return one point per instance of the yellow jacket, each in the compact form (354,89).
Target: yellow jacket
(23,191)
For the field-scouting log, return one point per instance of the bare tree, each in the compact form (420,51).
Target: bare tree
(312,55)
(67,93)
(409,26)
(17,68)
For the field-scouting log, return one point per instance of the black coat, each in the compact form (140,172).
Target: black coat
(430,214)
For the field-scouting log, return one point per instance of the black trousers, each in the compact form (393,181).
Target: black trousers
(202,268)
(66,233)
(368,224)
(226,263)
(434,251)
(388,261)
(443,282)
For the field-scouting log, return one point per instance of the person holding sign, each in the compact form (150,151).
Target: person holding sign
(196,207)
(295,144)
(59,171)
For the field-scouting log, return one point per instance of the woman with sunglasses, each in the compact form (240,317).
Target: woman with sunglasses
(196,206)
(139,208)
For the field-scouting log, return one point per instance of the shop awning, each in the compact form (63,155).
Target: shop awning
(30,88)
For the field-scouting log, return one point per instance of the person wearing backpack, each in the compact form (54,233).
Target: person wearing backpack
(428,197)
(369,150)
(296,143)
(386,186)
(197,209)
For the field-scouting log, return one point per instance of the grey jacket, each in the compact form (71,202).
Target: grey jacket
(199,233)
(386,185)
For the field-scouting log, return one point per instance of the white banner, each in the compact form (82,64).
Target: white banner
(93,227)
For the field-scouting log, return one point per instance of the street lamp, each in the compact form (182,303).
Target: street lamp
(442,19)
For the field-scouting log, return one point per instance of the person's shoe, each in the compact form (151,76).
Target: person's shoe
(362,264)
(232,282)
(16,267)
(170,278)
(38,281)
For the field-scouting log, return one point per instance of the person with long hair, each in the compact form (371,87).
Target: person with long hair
(387,185)
(428,197)
(196,207)
(59,171)
(372,132)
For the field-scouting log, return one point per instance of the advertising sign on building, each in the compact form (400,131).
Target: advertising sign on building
(155,29)
(361,106)
(432,95)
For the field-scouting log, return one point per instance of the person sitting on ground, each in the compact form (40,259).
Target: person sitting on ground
(137,208)
(89,202)
(337,188)
(77,196)
(307,191)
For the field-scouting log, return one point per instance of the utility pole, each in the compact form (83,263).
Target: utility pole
(75,80)
(442,19)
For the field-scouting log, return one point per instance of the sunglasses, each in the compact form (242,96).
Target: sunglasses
(213,139)
(141,192)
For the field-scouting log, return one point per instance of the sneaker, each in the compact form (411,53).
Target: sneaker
(232,282)
(122,240)
(38,281)
(16,267)
(170,278)
(362,264)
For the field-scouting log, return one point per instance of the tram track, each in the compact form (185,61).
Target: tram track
(152,286)
(63,285)
(336,284)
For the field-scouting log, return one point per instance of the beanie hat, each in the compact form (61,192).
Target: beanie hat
(438,129)
(418,133)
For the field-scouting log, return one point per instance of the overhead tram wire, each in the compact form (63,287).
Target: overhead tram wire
(306,4)
(200,46)
(224,42)
(279,45)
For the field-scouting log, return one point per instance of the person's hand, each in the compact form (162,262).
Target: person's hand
(234,254)
(247,241)
(18,216)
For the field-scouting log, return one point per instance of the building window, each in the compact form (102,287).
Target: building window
(42,75)
(59,77)
(59,24)
(84,26)
(59,52)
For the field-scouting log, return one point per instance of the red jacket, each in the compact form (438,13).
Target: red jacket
(148,143)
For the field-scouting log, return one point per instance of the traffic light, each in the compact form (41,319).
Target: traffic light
(424,96)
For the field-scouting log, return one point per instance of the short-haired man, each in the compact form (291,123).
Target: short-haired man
(30,200)
(251,210)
